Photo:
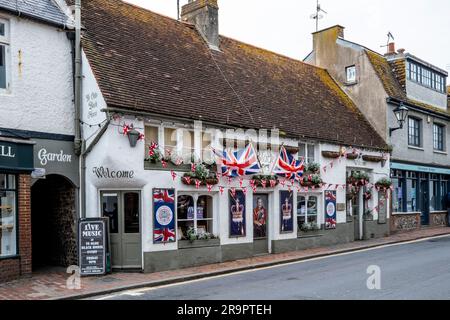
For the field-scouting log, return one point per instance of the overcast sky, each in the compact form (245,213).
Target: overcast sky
(422,27)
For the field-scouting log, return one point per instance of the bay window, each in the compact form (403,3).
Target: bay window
(8,215)
(194,211)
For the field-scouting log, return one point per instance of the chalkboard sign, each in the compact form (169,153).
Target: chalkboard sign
(92,246)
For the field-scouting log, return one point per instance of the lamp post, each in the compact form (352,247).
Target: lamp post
(401,113)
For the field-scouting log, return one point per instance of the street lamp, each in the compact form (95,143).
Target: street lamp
(401,113)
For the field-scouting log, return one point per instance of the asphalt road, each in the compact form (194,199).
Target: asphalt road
(419,270)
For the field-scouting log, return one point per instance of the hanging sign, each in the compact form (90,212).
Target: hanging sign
(330,210)
(92,246)
(286,212)
(164,216)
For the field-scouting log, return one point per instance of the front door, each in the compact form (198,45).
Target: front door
(260,220)
(123,211)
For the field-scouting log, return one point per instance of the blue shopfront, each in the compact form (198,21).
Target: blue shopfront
(419,189)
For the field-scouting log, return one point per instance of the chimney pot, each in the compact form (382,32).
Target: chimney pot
(391,48)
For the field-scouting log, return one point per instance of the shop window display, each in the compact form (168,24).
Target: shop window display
(8,214)
(194,211)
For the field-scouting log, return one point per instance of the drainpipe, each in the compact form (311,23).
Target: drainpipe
(78,143)
(77,83)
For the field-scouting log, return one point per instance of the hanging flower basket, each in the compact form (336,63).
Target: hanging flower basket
(201,174)
(358,179)
(313,168)
(312,180)
(384,183)
(372,158)
(264,181)
(352,156)
(331,154)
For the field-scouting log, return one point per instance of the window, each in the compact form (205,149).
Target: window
(397,193)
(8,215)
(425,76)
(194,211)
(438,137)
(306,151)
(434,190)
(414,126)
(151,136)
(188,151)
(351,74)
(206,152)
(411,187)
(4,54)
(170,141)
(307,207)
(444,191)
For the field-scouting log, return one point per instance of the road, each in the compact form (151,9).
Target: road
(418,270)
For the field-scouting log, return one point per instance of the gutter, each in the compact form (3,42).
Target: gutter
(20,14)
(397,102)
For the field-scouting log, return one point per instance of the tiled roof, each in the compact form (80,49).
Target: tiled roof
(393,77)
(150,63)
(44,10)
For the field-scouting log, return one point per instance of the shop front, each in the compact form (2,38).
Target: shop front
(54,198)
(16,164)
(419,195)
(165,214)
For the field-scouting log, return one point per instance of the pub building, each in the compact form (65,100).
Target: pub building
(173,195)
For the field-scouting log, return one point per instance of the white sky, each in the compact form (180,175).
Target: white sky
(422,27)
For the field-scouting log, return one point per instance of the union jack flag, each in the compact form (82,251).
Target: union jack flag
(240,163)
(164,196)
(164,235)
(288,167)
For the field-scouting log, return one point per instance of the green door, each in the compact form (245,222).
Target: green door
(123,210)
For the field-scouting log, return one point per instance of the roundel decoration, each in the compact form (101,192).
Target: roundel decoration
(331,208)
(164,215)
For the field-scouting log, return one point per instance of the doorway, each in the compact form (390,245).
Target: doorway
(124,213)
(53,216)
(260,223)
(425,212)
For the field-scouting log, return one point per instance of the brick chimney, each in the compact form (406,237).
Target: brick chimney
(204,14)
(391,49)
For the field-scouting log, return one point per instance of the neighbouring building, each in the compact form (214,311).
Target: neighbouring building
(38,167)
(149,80)
(378,84)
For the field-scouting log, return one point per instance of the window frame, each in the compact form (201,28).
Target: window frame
(307,146)
(195,197)
(5,41)
(14,189)
(426,76)
(307,196)
(347,69)
(438,137)
(415,132)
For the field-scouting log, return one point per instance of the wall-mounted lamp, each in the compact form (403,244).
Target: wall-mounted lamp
(401,113)
(133,137)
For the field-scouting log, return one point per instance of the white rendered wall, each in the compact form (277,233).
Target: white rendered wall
(41,93)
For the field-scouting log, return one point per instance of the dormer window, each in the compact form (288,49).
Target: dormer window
(425,76)
(351,74)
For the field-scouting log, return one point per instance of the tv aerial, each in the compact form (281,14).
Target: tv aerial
(389,36)
(318,15)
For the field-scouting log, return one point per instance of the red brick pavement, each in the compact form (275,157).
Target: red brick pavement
(51,284)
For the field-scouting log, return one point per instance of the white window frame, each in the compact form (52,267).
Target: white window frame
(195,196)
(347,70)
(307,196)
(6,42)
(307,145)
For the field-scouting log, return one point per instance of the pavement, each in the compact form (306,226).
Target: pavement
(414,270)
(51,284)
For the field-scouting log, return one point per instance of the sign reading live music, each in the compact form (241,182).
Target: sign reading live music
(92,246)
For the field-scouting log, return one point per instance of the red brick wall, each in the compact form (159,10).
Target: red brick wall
(25,224)
(11,269)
